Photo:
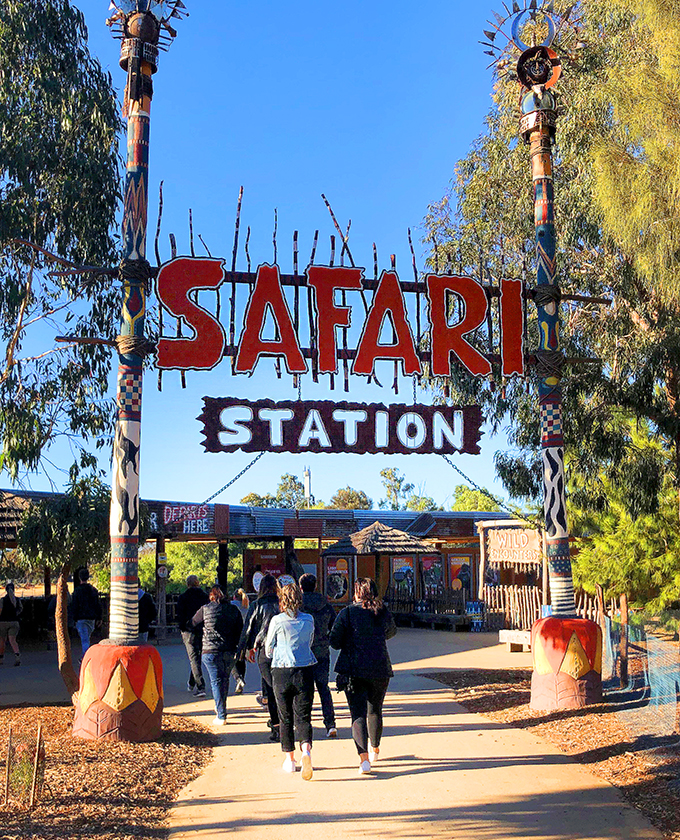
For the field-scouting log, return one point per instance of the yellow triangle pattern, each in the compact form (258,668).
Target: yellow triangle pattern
(575,662)
(150,693)
(120,694)
(597,665)
(541,664)
(88,693)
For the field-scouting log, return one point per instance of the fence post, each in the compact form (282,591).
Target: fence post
(623,643)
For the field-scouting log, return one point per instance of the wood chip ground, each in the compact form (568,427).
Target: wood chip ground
(96,789)
(645,769)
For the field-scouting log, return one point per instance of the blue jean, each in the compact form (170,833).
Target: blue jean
(85,628)
(218,666)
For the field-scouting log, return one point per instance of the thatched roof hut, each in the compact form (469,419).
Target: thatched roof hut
(378,539)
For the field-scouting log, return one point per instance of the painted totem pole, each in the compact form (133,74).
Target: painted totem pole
(567,651)
(121,681)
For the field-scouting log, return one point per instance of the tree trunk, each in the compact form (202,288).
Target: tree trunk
(66,668)
(47,582)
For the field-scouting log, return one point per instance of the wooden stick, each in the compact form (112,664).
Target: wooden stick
(9,756)
(36,761)
(623,643)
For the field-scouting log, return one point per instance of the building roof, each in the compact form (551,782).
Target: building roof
(378,538)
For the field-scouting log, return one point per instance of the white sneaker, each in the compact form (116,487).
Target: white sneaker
(289,765)
(332,732)
(240,685)
(373,754)
(364,768)
(307,769)
(219,721)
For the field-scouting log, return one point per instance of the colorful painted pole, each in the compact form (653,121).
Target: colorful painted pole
(121,681)
(566,650)
(538,69)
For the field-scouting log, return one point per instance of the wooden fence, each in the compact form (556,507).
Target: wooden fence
(447,602)
(517,607)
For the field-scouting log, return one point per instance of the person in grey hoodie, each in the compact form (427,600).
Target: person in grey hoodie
(316,604)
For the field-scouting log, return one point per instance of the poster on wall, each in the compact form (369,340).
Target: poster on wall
(460,576)
(403,575)
(337,580)
(433,574)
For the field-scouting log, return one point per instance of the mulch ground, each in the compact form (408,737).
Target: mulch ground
(98,789)
(646,770)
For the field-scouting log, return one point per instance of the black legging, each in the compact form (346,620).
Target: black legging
(365,698)
(265,666)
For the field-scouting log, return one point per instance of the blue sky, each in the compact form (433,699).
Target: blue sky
(371,103)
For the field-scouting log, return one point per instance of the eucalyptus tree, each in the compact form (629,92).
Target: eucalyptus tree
(484,227)
(59,177)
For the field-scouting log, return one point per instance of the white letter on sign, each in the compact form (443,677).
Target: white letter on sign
(275,417)
(350,420)
(314,429)
(403,427)
(233,432)
(441,430)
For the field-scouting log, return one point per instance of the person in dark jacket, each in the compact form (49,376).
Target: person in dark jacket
(10,610)
(147,613)
(316,604)
(222,625)
(360,633)
(253,639)
(188,604)
(87,610)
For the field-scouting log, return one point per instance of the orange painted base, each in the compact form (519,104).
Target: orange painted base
(121,694)
(567,662)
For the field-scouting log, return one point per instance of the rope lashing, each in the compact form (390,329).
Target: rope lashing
(546,293)
(549,363)
(135,345)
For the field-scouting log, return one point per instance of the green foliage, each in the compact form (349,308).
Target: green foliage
(184,559)
(465,498)
(59,189)
(290,493)
(397,489)
(421,503)
(73,527)
(350,499)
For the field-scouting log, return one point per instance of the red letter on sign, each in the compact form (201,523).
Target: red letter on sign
(388,297)
(446,339)
(174,283)
(325,280)
(268,294)
(512,327)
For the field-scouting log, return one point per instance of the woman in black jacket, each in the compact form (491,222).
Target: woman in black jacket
(222,625)
(253,638)
(360,633)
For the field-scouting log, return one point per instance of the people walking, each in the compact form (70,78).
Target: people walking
(87,609)
(188,604)
(316,604)
(289,645)
(242,603)
(360,633)
(10,610)
(147,613)
(253,638)
(222,625)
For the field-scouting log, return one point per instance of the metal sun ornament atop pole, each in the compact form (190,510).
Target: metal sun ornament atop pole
(566,650)
(143,27)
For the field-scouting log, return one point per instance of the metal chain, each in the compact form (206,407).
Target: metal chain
(483,490)
(234,479)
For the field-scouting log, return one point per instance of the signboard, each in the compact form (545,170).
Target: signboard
(513,547)
(459,571)
(403,575)
(173,518)
(179,282)
(333,427)
(337,579)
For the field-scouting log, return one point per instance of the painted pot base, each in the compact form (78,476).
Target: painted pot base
(121,694)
